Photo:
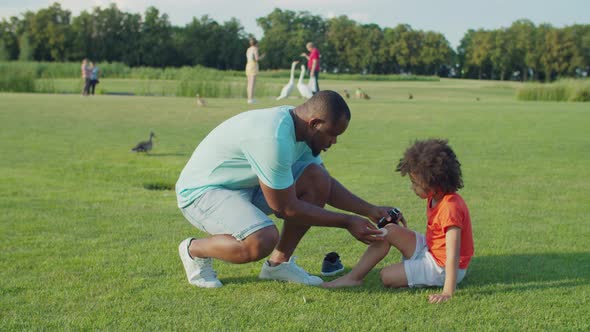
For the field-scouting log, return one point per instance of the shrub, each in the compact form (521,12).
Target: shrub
(563,90)
(16,80)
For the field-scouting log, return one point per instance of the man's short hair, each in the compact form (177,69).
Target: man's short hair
(329,105)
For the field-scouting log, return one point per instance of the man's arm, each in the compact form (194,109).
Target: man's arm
(453,243)
(343,199)
(285,204)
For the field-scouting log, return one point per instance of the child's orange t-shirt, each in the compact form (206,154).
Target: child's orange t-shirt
(450,211)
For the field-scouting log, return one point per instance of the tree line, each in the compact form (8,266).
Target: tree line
(522,51)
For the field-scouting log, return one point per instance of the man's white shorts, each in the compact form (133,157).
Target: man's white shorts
(421,268)
(236,212)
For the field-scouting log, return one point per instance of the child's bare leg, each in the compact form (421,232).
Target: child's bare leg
(374,254)
(394,276)
(405,241)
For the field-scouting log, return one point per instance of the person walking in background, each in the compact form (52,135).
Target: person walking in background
(94,72)
(86,71)
(252,68)
(313,65)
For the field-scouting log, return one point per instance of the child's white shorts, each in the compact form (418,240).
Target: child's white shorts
(421,268)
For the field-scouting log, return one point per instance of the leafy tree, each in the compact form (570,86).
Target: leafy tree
(82,36)
(578,37)
(534,58)
(560,56)
(522,36)
(372,49)
(9,37)
(49,32)
(463,51)
(285,35)
(405,48)
(233,42)
(501,52)
(25,48)
(434,53)
(156,47)
(343,37)
(478,53)
(3,52)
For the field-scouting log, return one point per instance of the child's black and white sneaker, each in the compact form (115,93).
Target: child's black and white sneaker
(332,264)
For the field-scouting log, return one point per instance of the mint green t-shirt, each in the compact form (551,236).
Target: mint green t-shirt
(251,146)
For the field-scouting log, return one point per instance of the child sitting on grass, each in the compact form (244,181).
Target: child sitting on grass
(439,258)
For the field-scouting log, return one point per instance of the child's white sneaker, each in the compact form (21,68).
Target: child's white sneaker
(288,271)
(199,271)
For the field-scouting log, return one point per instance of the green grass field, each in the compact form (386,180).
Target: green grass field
(85,246)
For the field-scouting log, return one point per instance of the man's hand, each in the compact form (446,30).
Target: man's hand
(439,298)
(363,230)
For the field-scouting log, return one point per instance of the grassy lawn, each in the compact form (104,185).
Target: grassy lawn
(84,246)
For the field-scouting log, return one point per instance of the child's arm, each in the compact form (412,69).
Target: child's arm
(453,243)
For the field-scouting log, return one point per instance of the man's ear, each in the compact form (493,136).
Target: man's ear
(315,123)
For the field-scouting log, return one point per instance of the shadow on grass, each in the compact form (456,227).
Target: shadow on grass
(521,272)
(172,154)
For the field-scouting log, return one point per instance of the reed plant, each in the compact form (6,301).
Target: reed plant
(567,90)
(16,80)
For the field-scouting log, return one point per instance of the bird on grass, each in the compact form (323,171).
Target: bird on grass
(200,101)
(287,89)
(360,94)
(145,146)
(410,96)
(303,88)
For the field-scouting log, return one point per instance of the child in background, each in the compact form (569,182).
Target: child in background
(439,258)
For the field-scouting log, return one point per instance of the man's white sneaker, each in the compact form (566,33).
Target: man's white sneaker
(199,271)
(288,271)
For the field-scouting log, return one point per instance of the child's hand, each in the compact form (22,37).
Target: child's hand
(439,298)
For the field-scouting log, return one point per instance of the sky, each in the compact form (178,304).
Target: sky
(452,18)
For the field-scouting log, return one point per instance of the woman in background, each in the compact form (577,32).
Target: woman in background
(252,58)
(86,71)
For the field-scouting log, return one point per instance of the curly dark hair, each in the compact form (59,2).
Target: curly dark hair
(433,163)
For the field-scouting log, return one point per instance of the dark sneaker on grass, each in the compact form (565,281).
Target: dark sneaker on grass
(332,265)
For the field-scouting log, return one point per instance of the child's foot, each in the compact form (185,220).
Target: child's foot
(344,281)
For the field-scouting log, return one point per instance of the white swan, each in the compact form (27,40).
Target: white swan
(287,89)
(303,88)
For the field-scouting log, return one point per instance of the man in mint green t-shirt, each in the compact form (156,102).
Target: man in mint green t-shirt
(264,162)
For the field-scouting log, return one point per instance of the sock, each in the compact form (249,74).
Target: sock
(188,250)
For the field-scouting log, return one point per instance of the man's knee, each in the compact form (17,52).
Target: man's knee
(314,185)
(259,244)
